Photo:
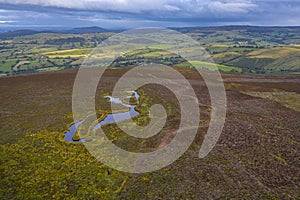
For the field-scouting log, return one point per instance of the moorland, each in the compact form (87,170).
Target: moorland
(256,157)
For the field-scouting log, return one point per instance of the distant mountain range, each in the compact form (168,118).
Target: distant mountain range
(238,27)
(81,30)
(95,29)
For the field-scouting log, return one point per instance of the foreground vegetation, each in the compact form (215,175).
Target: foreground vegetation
(255,158)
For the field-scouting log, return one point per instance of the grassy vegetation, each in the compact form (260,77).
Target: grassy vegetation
(261,129)
(209,66)
(46,167)
(287,99)
(72,53)
(7,65)
(256,157)
(283,59)
(36,163)
(257,50)
(276,52)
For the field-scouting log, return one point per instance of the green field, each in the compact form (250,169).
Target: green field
(251,50)
(209,66)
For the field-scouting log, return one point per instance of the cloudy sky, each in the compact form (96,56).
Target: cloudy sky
(146,13)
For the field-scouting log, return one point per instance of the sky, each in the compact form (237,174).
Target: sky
(116,14)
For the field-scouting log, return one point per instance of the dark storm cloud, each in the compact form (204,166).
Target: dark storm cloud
(137,13)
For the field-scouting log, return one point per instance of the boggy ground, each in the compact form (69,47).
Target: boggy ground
(256,157)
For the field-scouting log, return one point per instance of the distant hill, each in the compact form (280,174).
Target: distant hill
(275,34)
(82,30)
(237,27)
(12,34)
